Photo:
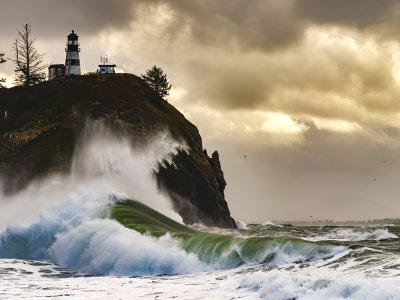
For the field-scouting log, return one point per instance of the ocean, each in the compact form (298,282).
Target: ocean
(101,259)
(82,236)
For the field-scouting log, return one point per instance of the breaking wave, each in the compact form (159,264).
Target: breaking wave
(100,234)
(354,234)
(93,227)
(241,225)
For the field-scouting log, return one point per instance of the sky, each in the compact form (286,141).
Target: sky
(300,97)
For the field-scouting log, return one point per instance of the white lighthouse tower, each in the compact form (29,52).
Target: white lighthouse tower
(72,63)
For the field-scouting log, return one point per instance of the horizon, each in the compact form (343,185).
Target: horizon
(300,98)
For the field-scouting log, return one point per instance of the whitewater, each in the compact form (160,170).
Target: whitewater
(104,231)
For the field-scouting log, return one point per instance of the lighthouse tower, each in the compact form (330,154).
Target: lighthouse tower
(72,63)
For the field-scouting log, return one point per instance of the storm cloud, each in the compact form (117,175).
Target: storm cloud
(51,18)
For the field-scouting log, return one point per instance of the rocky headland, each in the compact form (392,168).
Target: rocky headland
(40,126)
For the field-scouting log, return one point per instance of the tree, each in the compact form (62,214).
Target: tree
(28,61)
(158,81)
(2,60)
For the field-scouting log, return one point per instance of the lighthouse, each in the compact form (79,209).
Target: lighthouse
(72,63)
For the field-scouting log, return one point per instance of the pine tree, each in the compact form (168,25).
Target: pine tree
(28,61)
(158,81)
(2,60)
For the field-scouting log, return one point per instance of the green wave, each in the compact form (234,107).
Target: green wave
(222,250)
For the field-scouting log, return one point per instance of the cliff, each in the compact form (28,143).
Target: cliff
(44,121)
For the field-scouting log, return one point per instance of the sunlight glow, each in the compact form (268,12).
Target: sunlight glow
(337,125)
(281,123)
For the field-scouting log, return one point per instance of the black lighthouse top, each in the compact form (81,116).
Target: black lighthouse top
(72,43)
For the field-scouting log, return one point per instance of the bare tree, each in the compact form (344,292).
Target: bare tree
(2,60)
(28,61)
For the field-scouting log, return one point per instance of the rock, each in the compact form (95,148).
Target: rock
(44,121)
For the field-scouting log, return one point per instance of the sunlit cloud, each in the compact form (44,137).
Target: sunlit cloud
(337,125)
(281,124)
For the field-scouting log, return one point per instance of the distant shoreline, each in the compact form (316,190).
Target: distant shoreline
(385,221)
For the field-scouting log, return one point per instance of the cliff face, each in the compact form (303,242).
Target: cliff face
(42,124)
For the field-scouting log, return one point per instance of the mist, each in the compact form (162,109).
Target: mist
(105,163)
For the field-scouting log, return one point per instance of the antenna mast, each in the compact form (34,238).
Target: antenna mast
(104,59)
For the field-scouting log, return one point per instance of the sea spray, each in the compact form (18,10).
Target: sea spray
(109,156)
(32,241)
(104,159)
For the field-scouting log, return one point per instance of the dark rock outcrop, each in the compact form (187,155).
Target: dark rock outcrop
(40,125)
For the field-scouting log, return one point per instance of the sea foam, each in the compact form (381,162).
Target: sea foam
(280,284)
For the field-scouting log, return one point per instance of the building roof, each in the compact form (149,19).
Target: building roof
(56,66)
(72,36)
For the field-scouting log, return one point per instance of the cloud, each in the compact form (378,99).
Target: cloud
(302,58)
(269,25)
(52,18)
(358,13)
(261,24)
